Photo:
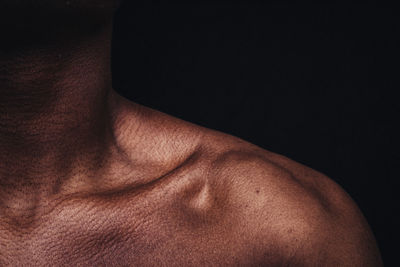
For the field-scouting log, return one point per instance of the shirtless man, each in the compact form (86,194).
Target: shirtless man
(88,178)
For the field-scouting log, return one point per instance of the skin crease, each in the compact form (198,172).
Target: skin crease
(90,178)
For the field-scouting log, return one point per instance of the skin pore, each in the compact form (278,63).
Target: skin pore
(90,178)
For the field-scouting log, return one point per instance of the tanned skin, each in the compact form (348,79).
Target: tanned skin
(88,178)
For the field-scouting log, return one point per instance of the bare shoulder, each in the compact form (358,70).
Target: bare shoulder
(267,206)
(295,215)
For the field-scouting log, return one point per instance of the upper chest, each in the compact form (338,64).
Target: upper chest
(186,226)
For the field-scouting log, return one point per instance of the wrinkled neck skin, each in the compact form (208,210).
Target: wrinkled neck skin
(55,115)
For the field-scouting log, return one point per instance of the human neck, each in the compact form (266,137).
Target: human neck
(55,113)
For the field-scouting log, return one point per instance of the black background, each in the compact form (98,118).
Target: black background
(313,82)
